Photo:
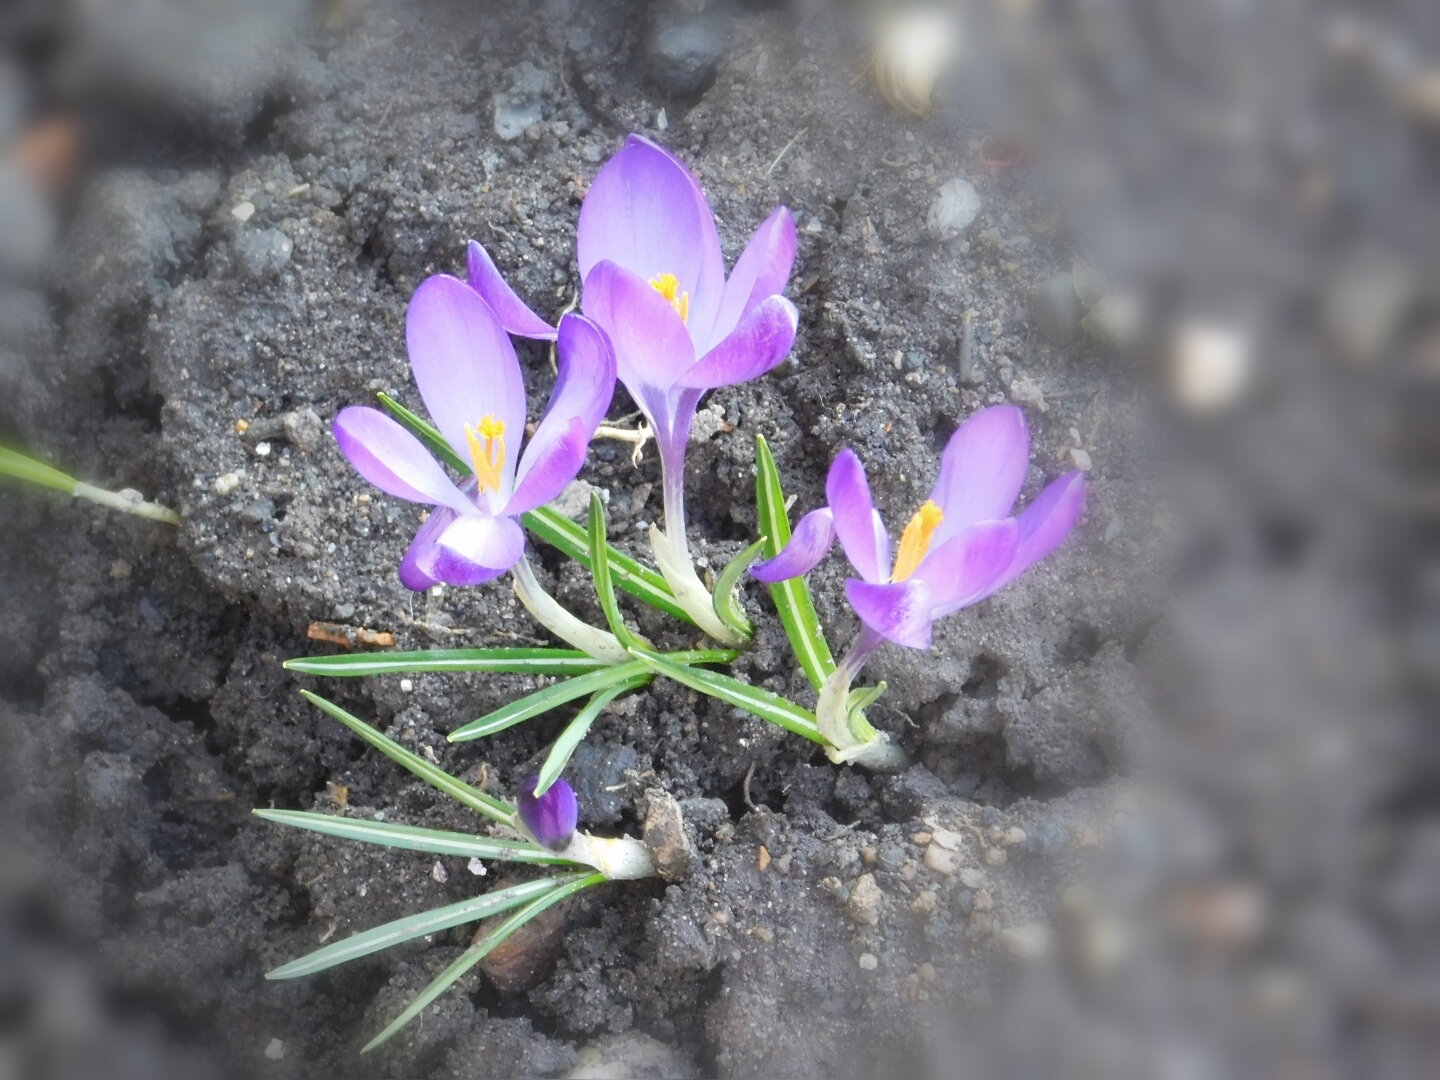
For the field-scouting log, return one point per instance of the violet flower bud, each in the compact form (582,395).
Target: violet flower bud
(552,817)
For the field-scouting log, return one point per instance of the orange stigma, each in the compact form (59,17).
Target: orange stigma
(668,286)
(915,540)
(487,451)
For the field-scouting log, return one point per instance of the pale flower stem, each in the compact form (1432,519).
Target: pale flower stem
(673,476)
(546,610)
(621,858)
(125,501)
(672,554)
(832,712)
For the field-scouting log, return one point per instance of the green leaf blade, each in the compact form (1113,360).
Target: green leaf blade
(21,467)
(600,572)
(727,602)
(415,838)
(629,676)
(792,598)
(570,539)
(413,926)
(494,661)
(478,951)
(753,699)
(433,775)
(571,737)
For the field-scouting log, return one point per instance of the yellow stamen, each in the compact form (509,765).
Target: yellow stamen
(487,451)
(915,540)
(668,286)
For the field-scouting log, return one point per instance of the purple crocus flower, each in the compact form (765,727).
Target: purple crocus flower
(654,280)
(551,818)
(469,378)
(960,547)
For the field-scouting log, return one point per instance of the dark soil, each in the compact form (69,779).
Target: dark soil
(145,710)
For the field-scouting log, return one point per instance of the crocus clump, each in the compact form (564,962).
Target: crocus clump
(960,547)
(551,818)
(654,280)
(470,380)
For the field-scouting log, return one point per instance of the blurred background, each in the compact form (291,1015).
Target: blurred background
(1220,216)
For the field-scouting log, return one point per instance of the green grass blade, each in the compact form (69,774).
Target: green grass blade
(498,661)
(414,838)
(727,603)
(762,703)
(570,539)
(628,675)
(413,926)
(600,572)
(571,737)
(433,775)
(792,598)
(702,656)
(13,463)
(428,434)
(478,951)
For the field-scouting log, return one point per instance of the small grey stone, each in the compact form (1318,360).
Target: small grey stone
(685,51)
(513,117)
(259,511)
(705,814)
(262,253)
(891,856)
(303,428)
(1045,838)
(957,204)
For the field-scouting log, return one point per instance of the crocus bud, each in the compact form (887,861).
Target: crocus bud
(552,817)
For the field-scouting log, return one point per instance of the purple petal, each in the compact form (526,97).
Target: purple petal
(1045,523)
(646,212)
(464,364)
(514,314)
(427,563)
(552,817)
(968,567)
(652,346)
(392,459)
(759,343)
(809,543)
(550,468)
(862,534)
(900,611)
(484,540)
(420,554)
(761,271)
(982,469)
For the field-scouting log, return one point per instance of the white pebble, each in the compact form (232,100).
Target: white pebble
(275,1050)
(406,685)
(1211,365)
(868,961)
(1081,458)
(244,211)
(439,873)
(224,485)
(262,449)
(476,867)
